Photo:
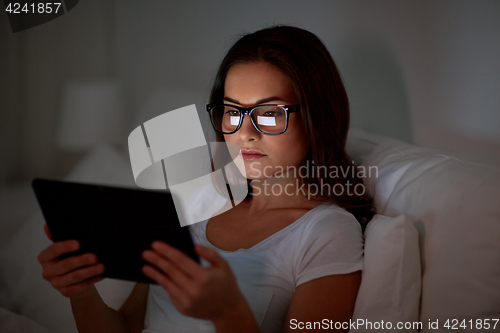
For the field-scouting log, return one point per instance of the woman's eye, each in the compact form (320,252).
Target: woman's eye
(232,112)
(272,114)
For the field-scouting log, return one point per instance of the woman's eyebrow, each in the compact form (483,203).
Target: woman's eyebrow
(264,100)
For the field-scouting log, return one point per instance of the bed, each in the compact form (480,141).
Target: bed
(431,255)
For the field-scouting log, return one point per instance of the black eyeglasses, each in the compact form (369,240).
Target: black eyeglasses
(267,119)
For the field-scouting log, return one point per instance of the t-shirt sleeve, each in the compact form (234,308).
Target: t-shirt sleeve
(331,243)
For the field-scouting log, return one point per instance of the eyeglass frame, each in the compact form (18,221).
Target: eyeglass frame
(248,112)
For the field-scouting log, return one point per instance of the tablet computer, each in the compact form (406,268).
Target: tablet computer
(115,223)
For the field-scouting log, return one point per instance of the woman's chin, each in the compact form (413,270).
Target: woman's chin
(255,177)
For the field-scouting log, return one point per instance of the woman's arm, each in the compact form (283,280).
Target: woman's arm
(330,297)
(134,308)
(93,315)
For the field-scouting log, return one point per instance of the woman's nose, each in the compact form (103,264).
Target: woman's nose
(247,131)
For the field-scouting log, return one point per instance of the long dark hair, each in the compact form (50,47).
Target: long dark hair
(304,59)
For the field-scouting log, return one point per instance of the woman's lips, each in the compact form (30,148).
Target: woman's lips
(250,155)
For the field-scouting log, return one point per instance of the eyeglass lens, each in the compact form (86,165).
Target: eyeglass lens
(268,119)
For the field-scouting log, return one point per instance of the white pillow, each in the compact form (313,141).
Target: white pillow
(391,280)
(22,288)
(454,205)
(17,204)
(13,323)
(105,164)
(24,291)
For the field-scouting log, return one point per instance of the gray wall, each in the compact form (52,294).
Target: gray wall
(422,71)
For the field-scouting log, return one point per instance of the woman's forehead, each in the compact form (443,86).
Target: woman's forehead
(256,83)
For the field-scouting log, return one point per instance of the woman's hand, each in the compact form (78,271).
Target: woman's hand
(70,276)
(209,293)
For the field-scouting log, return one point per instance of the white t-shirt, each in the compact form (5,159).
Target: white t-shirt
(327,240)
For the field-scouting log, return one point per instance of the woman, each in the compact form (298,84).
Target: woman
(284,257)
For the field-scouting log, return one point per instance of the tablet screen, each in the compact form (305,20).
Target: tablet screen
(115,223)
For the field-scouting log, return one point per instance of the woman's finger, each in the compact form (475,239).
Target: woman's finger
(55,250)
(47,232)
(75,289)
(69,264)
(77,276)
(179,258)
(175,273)
(175,292)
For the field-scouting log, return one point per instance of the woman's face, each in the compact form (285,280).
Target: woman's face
(257,83)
